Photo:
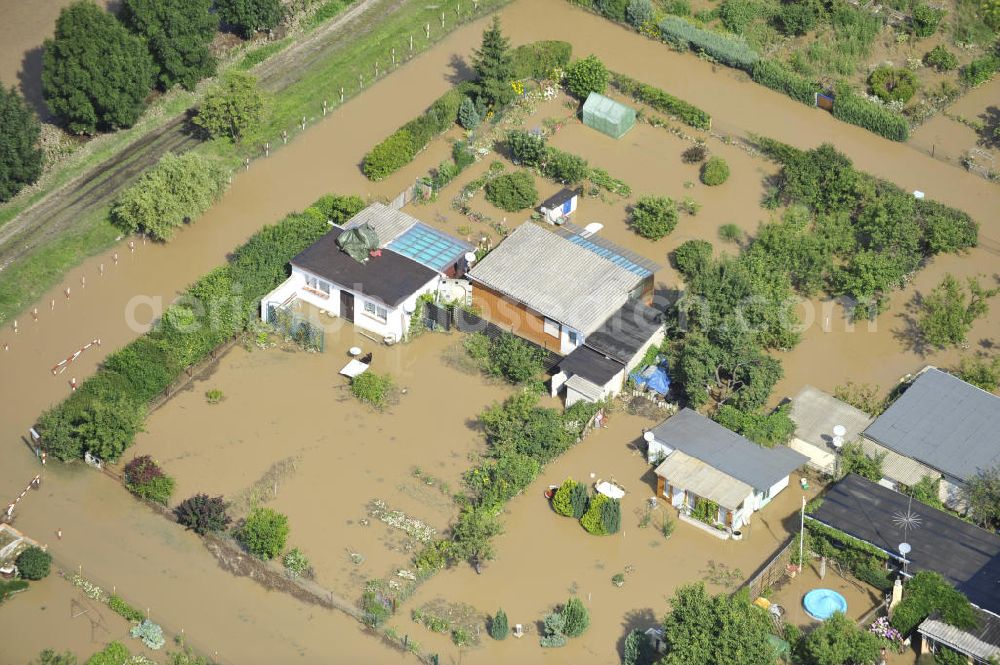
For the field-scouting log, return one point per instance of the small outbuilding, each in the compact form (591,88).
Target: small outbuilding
(607,116)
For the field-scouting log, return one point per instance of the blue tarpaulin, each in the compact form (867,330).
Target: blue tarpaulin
(653,377)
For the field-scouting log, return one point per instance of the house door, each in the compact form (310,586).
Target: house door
(347,305)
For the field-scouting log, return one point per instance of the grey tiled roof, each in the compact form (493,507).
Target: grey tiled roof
(944,423)
(556,277)
(698,436)
(982,642)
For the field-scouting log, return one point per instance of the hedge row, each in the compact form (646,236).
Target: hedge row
(661,101)
(402,146)
(727,49)
(776,76)
(107,411)
(850,107)
(538,59)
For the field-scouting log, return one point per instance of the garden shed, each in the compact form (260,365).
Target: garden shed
(607,116)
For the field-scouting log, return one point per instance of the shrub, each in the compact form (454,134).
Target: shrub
(731,51)
(123,609)
(561,501)
(263,533)
(468,117)
(579,499)
(525,148)
(856,110)
(372,389)
(661,101)
(694,155)
(612,9)
(611,516)
(7,590)
(389,156)
(730,233)
(400,147)
(654,217)
(586,76)
(945,229)
(538,59)
(592,520)
(715,171)
(203,514)
(776,76)
(736,15)
(295,562)
(564,167)
(854,460)
(926,593)
(554,635)
(249,16)
(150,633)
(796,18)
(692,256)
(512,191)
(175,191)
(234,109)
(893,84)
(941,59)
(514,359)
(926,20)
(34,563)
(498,625)
(639,13)
(576,618)
(144,478)
(981,69)
(114,653)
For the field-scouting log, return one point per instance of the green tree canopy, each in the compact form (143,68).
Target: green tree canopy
(178,33)
(234,109)
(948,313)
(493,64)
(982,492)
(706,630)
(263,533)
(95,73)
(20,157)
(837,641)
(249,16)
(927,593)
(654,217)
(472,533)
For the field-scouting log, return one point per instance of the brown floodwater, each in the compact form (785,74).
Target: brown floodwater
(153,563)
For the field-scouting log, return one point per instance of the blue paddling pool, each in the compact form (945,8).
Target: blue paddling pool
(823,603)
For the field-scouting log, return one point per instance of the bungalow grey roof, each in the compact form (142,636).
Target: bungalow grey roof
(815,414)
(698,436)
(390,278)
(944,423)
(556,277)
(981,642)
(625,332)
(964,554)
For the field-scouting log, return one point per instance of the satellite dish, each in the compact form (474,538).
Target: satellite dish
(649,436)
(904,549)
(470,257)
(409,308)
(839,430)
(838,442)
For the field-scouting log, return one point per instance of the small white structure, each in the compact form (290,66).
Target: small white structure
(558,207)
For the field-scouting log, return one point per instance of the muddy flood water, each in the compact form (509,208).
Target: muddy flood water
(332,456)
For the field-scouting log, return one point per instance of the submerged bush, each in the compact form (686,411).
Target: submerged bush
(662,101)
(856,110)
(539,59)
(144,478)
(586,76)
(893,84)
(512,191)
(715,171)
(372,389)
(692,256)
(654,217)
(776,76)
(263,533)
(390,155)
(941,59)
(34,563)
(203,514)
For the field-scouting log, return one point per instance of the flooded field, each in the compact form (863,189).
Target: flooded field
(162,567)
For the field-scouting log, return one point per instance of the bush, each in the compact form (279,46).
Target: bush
(250,16)
(372,389)
(203,514)
(233,109)
(692,256)
(981,69)
(21,157)
(926,593)
(776,76)
(592,520)
(639,13)
(694,155)
(661,101)
(715,171)
(263,533)
(654,217)
(123,609)
(34,563)
(796,18)
(736,15)
(554,635)
(611,516)
(730,51)
(941,59)
(926,20)
(400,147)
(498,625)
(389,156)
(561,501)
(945,229)
(150,633)
(525,148)
(564,167)
(144,478)
(175,191)
(538,59)
(467,115)
(586,76)
(893,84)
(856,110)
(766,429)
(113,654)
(612,9)
(296,564)
(730,233)
(512,191)
(7,590)
(514,359)
(576,618)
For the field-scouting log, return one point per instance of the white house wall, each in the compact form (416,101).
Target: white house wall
(655,340)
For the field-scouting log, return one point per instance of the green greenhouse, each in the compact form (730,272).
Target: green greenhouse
(607,116)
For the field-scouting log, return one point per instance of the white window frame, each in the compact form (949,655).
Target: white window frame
(376,311)
(550,327)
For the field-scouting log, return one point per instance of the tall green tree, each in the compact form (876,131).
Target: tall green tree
(178,33)
(982,494)
(20,157)
(234,109)
(95,73)
(705,630)
(494,66)
(948,312)
(837,641)
(472,533)
(248,17)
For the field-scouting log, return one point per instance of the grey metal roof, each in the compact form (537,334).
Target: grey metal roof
(556,278)
(591,365)
(698,436)
(815,414)
(964,554)
(943,422)
(982,642)
(588,389)
(625,332)
(387,222)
